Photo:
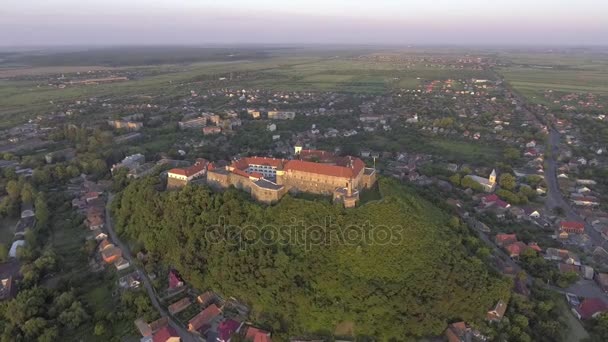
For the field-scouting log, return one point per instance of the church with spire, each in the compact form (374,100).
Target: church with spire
(488,184)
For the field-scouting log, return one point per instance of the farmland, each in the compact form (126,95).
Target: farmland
(532,75)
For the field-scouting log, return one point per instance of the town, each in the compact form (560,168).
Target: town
(521,180)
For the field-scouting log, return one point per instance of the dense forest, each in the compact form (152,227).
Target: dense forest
(391,268)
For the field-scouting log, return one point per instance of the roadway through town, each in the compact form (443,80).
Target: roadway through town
(555,197)
(185,335)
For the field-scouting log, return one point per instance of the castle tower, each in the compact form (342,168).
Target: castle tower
(492,178)
(280,175)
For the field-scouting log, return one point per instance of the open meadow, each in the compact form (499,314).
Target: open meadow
(534,74)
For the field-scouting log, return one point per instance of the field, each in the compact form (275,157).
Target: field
(534,74)
(162,76)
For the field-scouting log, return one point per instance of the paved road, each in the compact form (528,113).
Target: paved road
(185,335)
(554,195)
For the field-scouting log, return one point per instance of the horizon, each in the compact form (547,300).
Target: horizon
(29,23)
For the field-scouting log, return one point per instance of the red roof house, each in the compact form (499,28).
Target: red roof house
(515,249)
(166,334)
(505,239)
(175,280)
(257,335)
(190,172)
(590,308)
(201,322)
(572,227)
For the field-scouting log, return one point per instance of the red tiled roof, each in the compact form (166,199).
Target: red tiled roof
(490,198)
(502,238)
(191,170)
(516,248)
(563,268)
(591,306)
(274,162)
(256,175)
(316,154)
(502,204)
(175,280)
(240,173)
(179,306)
(257,335)
(164,334)
(326,169)
(203,317)
(572,225)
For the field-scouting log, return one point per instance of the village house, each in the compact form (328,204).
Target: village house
(207,298)
(590,308)
(572,227)
(121,264)
(175,280)
(602,281)
(201,322)
(562,255)
(462,332)
(210,130)
(498,312)
(166,334)
(257,335)
(179,306)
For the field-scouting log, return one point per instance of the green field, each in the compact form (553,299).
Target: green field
(534,74)
(308,73)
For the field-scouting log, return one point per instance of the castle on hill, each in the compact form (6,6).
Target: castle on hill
(311,171)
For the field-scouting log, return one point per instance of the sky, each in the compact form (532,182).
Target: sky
(395,22)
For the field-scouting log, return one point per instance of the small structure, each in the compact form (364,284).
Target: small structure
(257,335)
(572,227)
(458,332)
(175,280)
(602,281)
(166,334)
(498,312)
(180,305)
(207,298)
(27,210)
(590,308)
(12,253)
(121,264)
(226,329)
(201,322)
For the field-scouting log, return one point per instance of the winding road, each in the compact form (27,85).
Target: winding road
(185,335)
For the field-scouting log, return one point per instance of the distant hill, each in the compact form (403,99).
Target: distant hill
(409,279)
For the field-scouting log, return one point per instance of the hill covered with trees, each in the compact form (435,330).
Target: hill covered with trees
(392,268)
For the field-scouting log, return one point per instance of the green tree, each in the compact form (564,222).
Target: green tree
(100,329)
(42,211)
(512,154)
(3,252)
(507,181)
(455,179)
